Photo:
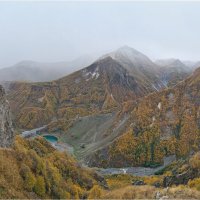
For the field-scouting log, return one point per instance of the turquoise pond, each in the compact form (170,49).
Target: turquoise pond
(51,138)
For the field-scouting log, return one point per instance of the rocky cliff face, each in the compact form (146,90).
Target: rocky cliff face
(6,130)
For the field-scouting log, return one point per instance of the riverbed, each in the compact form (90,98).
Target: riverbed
(137,171)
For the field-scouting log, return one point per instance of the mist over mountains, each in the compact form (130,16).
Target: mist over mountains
(85,116)
(37,71)
(131,59)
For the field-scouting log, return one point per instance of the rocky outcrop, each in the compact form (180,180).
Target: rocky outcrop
(6,129)
(180,179)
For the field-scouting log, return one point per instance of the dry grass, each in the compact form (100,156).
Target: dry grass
(119,181)
(183,192)
(150,180)
(131,192)
(150,192)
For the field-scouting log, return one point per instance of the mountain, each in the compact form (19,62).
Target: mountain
(33,169)
(139,66)
(173,71)
(161,124)
(102,86)
(117,112)
(35,71)
(189,63)
(196,65)
(110,114)
(91,108)
(131,59)
(84,106)
(6,129)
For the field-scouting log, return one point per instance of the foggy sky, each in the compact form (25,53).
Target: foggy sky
(62,31)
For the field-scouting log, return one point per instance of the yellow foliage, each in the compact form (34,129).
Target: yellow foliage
(144,149)
(151,180)
(95,192)
(131,192)
(195,161)
(195,183)
(39,187)
(34,169)
(119,181)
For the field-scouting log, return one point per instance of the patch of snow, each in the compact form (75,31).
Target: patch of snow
(159,105)
(155,87)
(40,99)
(124,171)
(153,120)
(95,74)
(165,82)
(91,75)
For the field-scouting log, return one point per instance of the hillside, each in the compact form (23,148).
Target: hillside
(101,87)
(173,71)
(165,123)
(139,66)
(90,108)
(34,169)
(111,119)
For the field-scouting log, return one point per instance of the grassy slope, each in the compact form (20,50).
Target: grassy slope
(161,124)
(33,169)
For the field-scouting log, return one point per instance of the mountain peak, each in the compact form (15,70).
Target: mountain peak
(130,57)
(169,61)
(129,53)
(127,49)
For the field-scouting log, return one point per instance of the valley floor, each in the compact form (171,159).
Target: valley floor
(136,171)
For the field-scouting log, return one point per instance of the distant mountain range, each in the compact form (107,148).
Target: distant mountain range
(131,59)
(113,79)
(173,70)
(32,71)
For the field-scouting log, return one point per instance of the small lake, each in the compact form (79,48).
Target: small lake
(50,138)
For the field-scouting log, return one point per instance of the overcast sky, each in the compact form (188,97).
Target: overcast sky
(61,31)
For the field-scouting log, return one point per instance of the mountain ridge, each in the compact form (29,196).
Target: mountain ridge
(167,123)
(33,71)
(104,93)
